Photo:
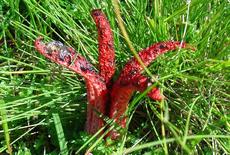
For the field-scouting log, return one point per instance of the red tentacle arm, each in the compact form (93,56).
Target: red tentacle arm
(96,87)
(131,80)
(105,45)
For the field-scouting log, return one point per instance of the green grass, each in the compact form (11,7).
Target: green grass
(43,105)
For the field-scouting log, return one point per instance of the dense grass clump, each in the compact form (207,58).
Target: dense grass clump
(42,105)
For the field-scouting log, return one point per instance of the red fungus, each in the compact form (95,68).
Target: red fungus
(131,80)
(105,45)
(102,93)
(96,87)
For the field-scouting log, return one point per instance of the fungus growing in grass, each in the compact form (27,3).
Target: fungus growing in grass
(105,96)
